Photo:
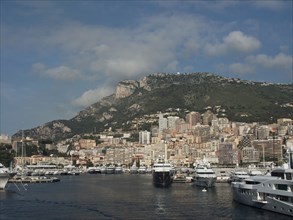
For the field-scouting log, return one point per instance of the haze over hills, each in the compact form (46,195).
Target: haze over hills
(238,100)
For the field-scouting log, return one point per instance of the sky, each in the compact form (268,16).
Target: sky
(58,57)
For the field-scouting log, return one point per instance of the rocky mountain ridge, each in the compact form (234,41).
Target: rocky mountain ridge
(242,100)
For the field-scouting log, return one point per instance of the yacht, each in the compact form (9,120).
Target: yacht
(142,169)
(222,177)
(204,175)
(238,175)
(162,173)
(103,169)
(118,169)
(5,175)
(273,193)
(133,168)
(110,169)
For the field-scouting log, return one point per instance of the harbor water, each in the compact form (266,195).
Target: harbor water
(125,196)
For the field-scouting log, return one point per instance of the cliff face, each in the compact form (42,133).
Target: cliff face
(126,88)
(158,92)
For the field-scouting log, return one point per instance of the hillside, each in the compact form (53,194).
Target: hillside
(239,100)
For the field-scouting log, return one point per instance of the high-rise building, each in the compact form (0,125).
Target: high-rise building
(263,132)
(163,123)
(271,148)
(193,118)
(227,155)
(172,121)
(207,117)
(144,137)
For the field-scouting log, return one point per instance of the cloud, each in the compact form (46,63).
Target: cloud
(258,63)
(91,96)
(270,4)
(129,52)
(280,61)
(59,73)
(234,42)
(240,68)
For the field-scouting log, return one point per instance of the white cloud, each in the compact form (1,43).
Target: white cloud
(240,68)
(234,42)
(91,96)
(258,63)
(59,73)
(273,5)
(280,61)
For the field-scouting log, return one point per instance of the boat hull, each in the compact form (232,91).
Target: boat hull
(4,177)
(205,181)
(162,179)
(249,198)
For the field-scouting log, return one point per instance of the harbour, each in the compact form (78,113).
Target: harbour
(123,197)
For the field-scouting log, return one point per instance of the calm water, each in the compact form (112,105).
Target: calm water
(122,197)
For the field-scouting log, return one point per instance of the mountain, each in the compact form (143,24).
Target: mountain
(236,99)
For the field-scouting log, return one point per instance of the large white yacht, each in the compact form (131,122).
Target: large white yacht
(238,175)
(274,193)
(162,173)
(204,175)
(5,175)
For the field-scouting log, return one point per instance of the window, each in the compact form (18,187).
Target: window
(288,176)
(281,187)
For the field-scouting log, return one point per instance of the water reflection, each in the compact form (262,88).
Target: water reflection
(160,205)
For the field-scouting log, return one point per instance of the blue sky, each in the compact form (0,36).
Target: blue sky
(58,57)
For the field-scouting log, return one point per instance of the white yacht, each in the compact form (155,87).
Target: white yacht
(273,193)
(204,175)
(133,168)
(222,177)
(142,169)
(118,169)
(238,175)
(5,175)
(162,173)
(110,169)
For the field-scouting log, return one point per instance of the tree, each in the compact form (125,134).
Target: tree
(6,154)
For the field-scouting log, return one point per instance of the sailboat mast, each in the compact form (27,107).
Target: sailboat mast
(22,159)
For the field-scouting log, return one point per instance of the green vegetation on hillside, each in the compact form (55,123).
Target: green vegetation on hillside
(242,101)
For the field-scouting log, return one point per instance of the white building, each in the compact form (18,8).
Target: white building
(163,123)
(144,137)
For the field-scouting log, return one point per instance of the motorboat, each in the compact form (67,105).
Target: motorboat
(204,175)
(142,169)
(110,169)
(93,170)
(118,169)
(5,175)
(238,175)
(162,173)
(223,177)
(270,192)
(180,177)
(133,168)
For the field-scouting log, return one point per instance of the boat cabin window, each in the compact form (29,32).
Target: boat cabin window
(288,176)
(281,187)
(283,198)
(252,182)
(278,174)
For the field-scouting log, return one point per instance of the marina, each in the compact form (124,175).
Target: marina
(123,197)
